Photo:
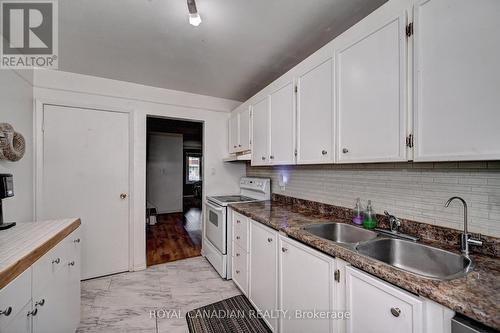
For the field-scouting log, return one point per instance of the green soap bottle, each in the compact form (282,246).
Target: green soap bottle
(370,221)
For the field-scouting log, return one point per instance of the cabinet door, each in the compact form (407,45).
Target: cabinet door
(244,133)
(21,323)
(377,306)
(315,115)
(339,288)
(306,284)
(233,132)
(263,288)
(260,132)
(456,80)
(283,125)
(371,90)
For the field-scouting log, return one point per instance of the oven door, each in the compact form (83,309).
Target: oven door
(215,226)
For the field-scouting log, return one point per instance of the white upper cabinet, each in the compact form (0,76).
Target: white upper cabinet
(282,125)
(456,80)
(260,132)
(244,130)
(233,132)
(371,81)
(239,130)
(315,114)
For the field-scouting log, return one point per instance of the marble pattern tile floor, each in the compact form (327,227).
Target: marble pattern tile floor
(128,302)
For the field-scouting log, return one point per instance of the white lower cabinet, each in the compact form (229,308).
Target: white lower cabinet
(263,272)
(46,297)
(293,285)
(20,323)
(376,306)
(306,288)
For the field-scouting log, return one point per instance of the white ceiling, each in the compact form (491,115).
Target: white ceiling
(239,48)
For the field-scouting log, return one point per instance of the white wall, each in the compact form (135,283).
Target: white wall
(164,174)
(142,101)
(16,108)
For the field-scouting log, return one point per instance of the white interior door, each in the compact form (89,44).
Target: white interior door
(457,80)
(86,175)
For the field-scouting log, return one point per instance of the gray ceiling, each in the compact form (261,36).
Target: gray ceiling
(239,48)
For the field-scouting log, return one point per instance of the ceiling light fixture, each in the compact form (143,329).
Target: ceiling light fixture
(194,16)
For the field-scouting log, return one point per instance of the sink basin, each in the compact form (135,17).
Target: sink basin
(417,258)
(341,232)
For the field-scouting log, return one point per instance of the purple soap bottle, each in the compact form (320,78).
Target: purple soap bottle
(357,214)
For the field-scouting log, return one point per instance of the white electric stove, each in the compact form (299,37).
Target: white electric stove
(217,225)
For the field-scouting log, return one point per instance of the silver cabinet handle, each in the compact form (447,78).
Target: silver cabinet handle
(269,239)
(396,312)
(56,261)
(71,263)
(40,302)
(6,312)
(284,249)
(76,240)
(345,150)
(324,152)
(123,196)
(33,313)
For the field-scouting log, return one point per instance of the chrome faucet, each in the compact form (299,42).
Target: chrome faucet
(394,222)
(465,237)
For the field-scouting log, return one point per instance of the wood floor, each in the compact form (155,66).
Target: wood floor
(175,236)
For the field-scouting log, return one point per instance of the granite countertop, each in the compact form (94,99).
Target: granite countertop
(23,244)
(476,295)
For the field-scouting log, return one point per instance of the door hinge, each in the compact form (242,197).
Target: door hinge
(409,141)
(336,275)
(409,30)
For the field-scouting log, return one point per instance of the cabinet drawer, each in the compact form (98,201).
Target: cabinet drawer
(14,296)
(240,230)
(240,269)
(377,306)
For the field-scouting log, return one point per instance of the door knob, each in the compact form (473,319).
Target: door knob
(269,239)
(123,196)
(396,312)
(345,150)
(284,249)
(56,261)
(40,303)
(324,152)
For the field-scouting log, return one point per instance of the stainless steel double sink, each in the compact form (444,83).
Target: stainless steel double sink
(420,259)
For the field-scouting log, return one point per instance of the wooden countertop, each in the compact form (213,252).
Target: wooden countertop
(26,242)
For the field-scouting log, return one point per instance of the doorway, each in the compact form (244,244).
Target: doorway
(173,189)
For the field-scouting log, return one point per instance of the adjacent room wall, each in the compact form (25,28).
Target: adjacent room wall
(415,191)
(164,174)
(16,108)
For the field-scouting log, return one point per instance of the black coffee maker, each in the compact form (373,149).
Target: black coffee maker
(6,191)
